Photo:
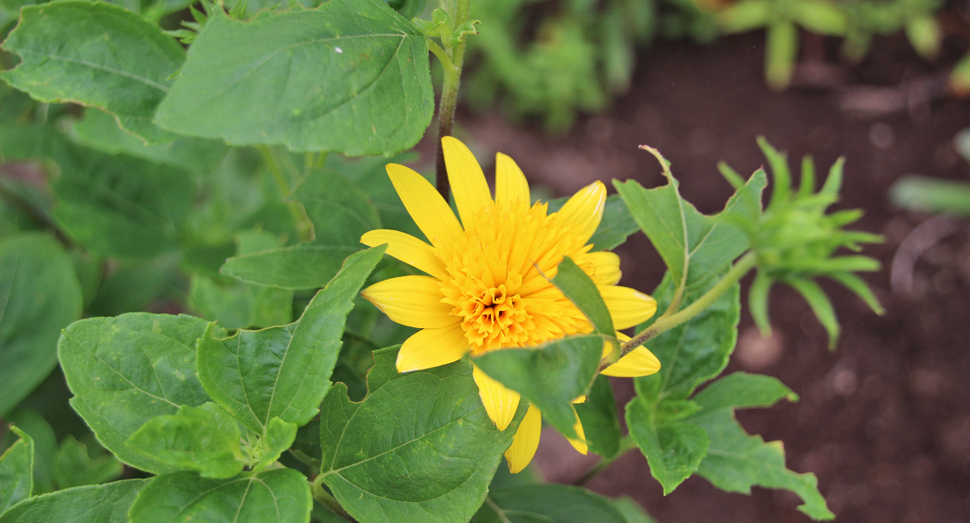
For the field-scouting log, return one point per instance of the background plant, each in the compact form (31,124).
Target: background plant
(142,180)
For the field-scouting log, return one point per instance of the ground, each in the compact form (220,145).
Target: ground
(884,420)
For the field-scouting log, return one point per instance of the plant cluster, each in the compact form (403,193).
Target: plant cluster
(552,59)
(181,231)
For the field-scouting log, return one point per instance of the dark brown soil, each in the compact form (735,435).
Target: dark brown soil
(884,421)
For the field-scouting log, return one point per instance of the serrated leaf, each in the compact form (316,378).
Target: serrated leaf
(74,467)
(285,371)
(694,246)
(549,376)
(577,286)
(101,503)
(98,55)
(673,449)
(273,496)
(100,131)
(419,447)
(547,503)
(204,439)
(695,351)
(122,206)
(300,267)
(126,370)
(341,213)
(350,77)
(737,461)
(39,296)
(601,425)
(45,445)
(17,471)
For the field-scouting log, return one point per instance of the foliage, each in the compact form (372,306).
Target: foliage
(183,239)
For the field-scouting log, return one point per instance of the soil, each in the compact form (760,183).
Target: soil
(884,420)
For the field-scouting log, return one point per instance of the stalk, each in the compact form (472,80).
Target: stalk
(449,92)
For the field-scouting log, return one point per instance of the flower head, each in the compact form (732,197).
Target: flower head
(487,285)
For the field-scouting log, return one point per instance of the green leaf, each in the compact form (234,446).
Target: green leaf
(369,174)
(350,77)
(694,352)
(235,304)
(341,213)
(100,131)
(632,510)
(204,439)
(98,55)
(273,496)
(300,267)
(74,467)
(617,224)
(550,376)
(40,295)
(97,503)
(124,371)
(695,247)
(284,371)
(577,286)
(123,206)
(45,445)
(600,422)
(673,449)
(781,52)
(931,195)
(736,461)
(821,306)
(280,435)
(419,447)
(17,471)
(547,503)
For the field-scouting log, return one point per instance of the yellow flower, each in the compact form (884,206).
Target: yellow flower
(486,286)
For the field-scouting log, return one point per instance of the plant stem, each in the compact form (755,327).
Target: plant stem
(320,494)
(626,445)
(449,91)
(665,323)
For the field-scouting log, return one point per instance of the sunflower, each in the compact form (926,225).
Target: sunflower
(487,279)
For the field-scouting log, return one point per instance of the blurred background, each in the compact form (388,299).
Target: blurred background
(884,420)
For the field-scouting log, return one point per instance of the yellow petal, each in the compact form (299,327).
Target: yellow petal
(606,267)
(627,306)
(428,209)
(500,402)
(526,440)
(466,178)
(579,443)
(406,248)
(510,183)
(414,301)
(429,348)
(639,362)
(584,210)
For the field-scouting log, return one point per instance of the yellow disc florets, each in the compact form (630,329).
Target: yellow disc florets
(497,277)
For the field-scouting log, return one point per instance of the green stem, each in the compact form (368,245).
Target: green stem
(449,91)
(283,184)
(665,323)
(320,494)
(626,445)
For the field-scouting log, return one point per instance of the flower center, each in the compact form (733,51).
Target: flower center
(497,274)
